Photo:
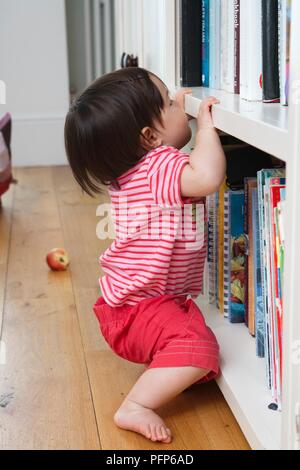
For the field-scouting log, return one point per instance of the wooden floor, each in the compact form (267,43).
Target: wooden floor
(60,383)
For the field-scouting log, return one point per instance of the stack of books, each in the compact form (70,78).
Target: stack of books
(246,252)
(239,46)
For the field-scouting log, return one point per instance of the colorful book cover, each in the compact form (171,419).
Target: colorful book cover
(252,184)
(247,219)
(237,254)
(205,43)
(275,185)
(261,179)
(271,319)
(226,255)
(212,203)
(220,301)
(258,297)
(281,233)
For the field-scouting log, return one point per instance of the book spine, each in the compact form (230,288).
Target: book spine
(246,231)
(179,27)
(221,247)
(212,251)
(212,43)
(237,257)
(224,44)
(205,43)
(255,50)
(251,274)
(271,88)
(258,300)
(243,49)
(237,46)
(226,264)
(284,28)
(191,50)
(218,44)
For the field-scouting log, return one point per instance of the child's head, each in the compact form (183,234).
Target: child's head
(116,121)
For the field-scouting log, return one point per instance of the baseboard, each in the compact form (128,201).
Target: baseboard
(38,140)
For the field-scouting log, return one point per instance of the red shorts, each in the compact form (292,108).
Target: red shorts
(164,331)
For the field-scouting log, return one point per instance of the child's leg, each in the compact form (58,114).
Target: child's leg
(153,389)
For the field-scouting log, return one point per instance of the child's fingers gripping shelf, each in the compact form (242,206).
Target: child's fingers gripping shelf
(206,171)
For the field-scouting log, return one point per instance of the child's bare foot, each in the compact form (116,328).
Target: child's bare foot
(137,418)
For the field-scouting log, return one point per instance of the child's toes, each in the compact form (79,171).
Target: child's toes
(153,432)
(147,432)
(159,432)
(169,436)
(164,433)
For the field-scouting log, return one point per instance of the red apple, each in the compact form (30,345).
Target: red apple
(58,259)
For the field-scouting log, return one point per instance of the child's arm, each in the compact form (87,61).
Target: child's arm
(207,168)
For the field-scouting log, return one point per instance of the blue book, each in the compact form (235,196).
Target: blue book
(238,247)
(205,43)
(259,317)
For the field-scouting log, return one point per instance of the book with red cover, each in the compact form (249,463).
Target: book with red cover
(276,184)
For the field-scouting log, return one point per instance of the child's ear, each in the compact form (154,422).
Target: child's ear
(149,139)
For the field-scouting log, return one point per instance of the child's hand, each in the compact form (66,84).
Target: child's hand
(205,120)
(180,98)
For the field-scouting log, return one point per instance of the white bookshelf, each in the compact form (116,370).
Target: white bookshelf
(275,130)
(263,125)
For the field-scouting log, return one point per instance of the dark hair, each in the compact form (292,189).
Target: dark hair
(103,126)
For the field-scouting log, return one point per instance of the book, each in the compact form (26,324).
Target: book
(214,43)
(205,42)
(275,185)
(270,51)
(226,255)
(235,247)
(190,45)
(284,20)
(251,50)
(227,45)
(258,298)
(262,177)
(237,31)
(220,298)
(212,205)
(250,185)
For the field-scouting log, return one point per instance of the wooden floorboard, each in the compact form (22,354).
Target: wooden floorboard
(6,210)
(62,384)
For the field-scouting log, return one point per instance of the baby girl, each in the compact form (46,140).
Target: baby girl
(125,132)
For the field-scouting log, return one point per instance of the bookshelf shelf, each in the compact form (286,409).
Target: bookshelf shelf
(243,380)
(263,125)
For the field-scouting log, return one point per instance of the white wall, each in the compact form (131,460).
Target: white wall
(33,64)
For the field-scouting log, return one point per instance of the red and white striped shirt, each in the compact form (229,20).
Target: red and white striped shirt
(160,243)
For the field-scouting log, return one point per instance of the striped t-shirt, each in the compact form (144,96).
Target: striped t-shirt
(160,236)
